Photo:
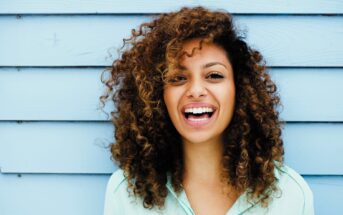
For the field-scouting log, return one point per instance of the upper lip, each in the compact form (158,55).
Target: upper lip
(198,105)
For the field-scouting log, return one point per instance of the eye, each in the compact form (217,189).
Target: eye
(177,79)
(215,75)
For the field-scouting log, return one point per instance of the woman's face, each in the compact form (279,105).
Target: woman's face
(200,95)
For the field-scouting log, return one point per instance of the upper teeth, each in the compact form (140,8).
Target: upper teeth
(199,110)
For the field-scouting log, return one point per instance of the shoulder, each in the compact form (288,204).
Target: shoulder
(115,181)
(294,190)
(289,179)
(117,198)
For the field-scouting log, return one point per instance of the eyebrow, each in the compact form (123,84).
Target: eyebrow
(207,65)
(212,64)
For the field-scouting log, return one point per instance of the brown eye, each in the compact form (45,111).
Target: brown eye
(215,75)
(177,79)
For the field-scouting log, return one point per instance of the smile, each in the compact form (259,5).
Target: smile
(198,115)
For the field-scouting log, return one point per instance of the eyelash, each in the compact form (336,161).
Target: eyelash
(176,79)
(215,75)
(181,78)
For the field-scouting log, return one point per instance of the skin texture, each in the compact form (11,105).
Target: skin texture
(150,139)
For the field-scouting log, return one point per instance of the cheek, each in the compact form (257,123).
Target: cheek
(169,96)
(226,96)
(230,98)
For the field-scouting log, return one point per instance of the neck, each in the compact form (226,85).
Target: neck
(203,161)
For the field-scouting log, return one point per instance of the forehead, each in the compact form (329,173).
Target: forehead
(210,51)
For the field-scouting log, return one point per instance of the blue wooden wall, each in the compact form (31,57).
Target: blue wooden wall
(53,137)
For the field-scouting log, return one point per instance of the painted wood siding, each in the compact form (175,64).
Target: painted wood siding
(53,137)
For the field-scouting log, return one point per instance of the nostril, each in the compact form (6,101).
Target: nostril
(196,92)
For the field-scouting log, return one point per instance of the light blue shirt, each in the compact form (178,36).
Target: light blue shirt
(295,198)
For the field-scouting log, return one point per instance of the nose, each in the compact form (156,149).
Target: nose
(196,89)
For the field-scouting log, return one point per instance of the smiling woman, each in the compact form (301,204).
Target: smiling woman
(197,131)
(200,98)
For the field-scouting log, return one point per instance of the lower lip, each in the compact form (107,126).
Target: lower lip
(199,123)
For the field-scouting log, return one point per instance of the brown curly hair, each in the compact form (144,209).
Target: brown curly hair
(148,147)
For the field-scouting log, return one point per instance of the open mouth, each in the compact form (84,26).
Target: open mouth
(200,114)
(195,116)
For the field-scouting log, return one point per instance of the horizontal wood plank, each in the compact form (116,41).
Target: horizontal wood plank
(52,94)
(85,194)
(72,94)
(154,6)
(285,41)
(56,147)
(310,94)
(327,192)
(51,147)
(314,148)
(52,194)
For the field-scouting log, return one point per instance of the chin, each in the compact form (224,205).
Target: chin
(197,138)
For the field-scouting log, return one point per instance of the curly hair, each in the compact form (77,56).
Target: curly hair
(147,146)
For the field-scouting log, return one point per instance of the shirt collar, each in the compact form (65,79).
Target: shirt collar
(241,205)
(181,197)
